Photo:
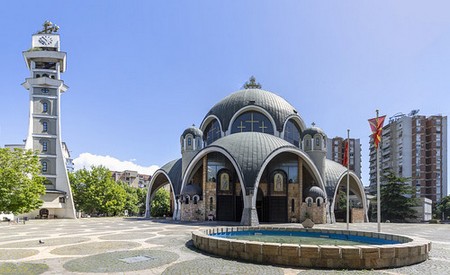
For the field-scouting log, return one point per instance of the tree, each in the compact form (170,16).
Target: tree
(95,192)
(443,208)
(20,184)
(132,199)
(397,199)
(160,203)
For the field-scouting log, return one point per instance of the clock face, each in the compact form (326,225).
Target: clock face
(45,40)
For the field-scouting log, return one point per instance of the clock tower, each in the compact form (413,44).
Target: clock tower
(46,63)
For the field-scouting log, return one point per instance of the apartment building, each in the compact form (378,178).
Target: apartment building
(415,147)
(336,150)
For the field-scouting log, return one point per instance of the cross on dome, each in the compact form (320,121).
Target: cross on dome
(252,84)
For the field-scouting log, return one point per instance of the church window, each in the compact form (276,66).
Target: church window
(44,90)
(189,141)
(44,166)
(292,205)
(317,141)
(252,122)
(210,203)
(45,107)
(44,146)
(292,133)
(212,132)
(186,200)
(44,126)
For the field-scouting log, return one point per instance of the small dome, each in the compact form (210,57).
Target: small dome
(313,131)
(315,192)
(191,190)
(196,132)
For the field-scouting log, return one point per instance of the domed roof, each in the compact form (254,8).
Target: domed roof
(276,106)
(313,131)
(173,170)
(250,150)
(315,192)
(196,132)
(191,190)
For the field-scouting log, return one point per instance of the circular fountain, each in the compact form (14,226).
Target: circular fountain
(372,250)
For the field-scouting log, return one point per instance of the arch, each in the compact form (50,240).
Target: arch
(199,156)
(302,155)
(206,121)
(298,120)
(356,182)
(309,201)
(205,129)
(297,127)
(253,108)
(152,188)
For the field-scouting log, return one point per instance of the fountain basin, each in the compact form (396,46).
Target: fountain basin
(389,251)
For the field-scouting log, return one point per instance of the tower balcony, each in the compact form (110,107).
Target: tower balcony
(45,81)
(51,56)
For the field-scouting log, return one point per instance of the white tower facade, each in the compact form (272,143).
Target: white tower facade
(46,63)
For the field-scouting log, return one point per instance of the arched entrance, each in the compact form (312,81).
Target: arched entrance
(229,197)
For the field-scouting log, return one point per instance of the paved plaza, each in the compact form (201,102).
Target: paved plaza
(139,246)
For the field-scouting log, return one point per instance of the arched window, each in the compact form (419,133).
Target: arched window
(44,107)
(45,126)
(292,133)
(292,205)
(196,198)
(189,141)
(309,201)
(186,200)
(212,132)
(44,167)
(44,146)
(319,201)
(252,122)
(210,203)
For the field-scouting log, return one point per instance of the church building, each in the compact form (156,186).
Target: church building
(252,160)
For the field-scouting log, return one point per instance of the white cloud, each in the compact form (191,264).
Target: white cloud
(86,160)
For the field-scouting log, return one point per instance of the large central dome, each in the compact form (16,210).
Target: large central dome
(277,107)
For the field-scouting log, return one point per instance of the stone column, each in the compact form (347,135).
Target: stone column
(249,215)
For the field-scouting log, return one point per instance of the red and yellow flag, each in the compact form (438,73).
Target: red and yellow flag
(376,125)
(345,158)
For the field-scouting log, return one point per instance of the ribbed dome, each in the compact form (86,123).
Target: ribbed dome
(191,190)
(315,192)
(312,131)
(275,105)
(196,132)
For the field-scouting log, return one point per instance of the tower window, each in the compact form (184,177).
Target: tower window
(44,126)
(44,90)
(44,146)
(45,107)
(44,166)
(189,141)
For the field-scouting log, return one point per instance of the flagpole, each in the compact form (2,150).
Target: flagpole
(378,185)
(348,178)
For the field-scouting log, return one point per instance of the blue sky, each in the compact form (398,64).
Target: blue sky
(140,72)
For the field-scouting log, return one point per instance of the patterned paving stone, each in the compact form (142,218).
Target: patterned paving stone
(23,268)
(219,266)
(46,242)
(94,248)
(128,236)
(14,254)
(117,261)
(169,242)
